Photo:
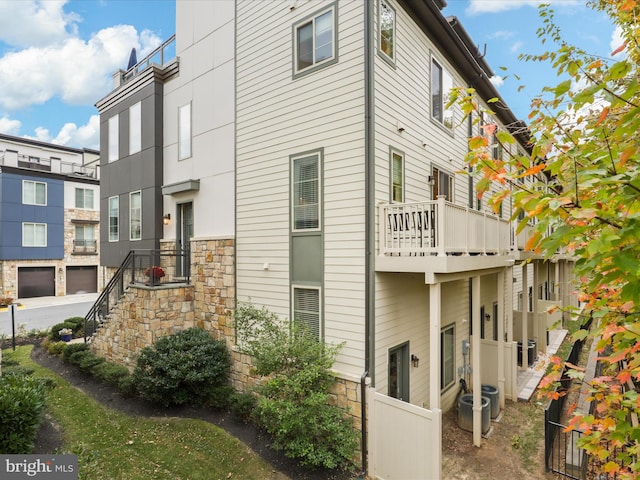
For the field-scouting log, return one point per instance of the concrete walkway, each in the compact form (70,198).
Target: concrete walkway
(529,379)
(39,302)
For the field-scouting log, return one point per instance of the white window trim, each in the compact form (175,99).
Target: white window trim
(391,59)
(131,238)
(34,202)
(135,126)
(320,317)
(113,138)
(334,43)
(443,386)
(117,236)
(34,224)
(318,155)
(187,141)
(93,198)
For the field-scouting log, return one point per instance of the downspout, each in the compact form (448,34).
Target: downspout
(369,196)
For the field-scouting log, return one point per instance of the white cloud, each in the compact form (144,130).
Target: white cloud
(497,81)
(516,46)
(87,136)
(35,22)
(489,6)
(616,42)
(8,126)
(502,34)
(78,71)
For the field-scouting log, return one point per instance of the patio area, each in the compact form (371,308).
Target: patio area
(529,379)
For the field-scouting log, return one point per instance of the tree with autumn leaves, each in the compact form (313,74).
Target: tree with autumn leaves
(581,184)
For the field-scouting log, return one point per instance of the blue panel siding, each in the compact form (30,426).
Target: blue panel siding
(13,213)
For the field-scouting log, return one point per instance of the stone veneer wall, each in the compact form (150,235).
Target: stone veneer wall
(143,315)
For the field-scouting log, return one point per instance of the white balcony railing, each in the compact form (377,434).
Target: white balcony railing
(442,228)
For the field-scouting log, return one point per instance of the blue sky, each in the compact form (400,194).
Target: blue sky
(57,56)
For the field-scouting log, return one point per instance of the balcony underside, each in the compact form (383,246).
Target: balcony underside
(432,265)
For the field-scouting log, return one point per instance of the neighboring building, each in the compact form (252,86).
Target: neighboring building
(49,219)
(305,155)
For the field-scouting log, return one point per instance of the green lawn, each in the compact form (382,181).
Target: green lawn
(113,445)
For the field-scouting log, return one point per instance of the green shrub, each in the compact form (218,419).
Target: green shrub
(242,406)
(182,368)
(55,348)
(71,348)
(294,403)
(110,373)
(219,396)
(22,400)
(76,324)
(86,360)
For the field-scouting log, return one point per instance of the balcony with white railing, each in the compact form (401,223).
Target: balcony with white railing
(421,232)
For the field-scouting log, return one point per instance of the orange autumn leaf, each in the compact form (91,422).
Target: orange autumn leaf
(625,155)
(624,376)
(628,5)
(535,169)
(603,115)
(619,49)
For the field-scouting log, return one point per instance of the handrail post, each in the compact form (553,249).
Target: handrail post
(440,219)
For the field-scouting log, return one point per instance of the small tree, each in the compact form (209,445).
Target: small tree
(582,185)
(294,403)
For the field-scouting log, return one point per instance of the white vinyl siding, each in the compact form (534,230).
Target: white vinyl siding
(34,193)
(278,117)
(113,138)
(135,128)
(34,234)
(135,215)
(114,219)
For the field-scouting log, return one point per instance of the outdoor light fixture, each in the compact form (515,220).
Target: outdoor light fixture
(414,360)
(431,180)
(166,220)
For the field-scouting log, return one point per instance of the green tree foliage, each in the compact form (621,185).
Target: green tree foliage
(187,367)
(294,404)
(582,186)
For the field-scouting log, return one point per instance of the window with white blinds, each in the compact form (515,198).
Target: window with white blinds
(306,308)
(306,192)
(397,176)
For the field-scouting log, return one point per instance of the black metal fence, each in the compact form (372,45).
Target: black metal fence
(153,268)
(561,453)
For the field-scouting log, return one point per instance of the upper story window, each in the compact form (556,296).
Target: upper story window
(306,192)
(184,131)
(85,239)
(135,215)
(397,176)
(84,198)
(387,30)
(135,128)
(34,193)
(114,219)
(315,41)
(114,142)
(34,234)
(441,85)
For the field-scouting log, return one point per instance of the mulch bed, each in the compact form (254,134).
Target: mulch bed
(49,439)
